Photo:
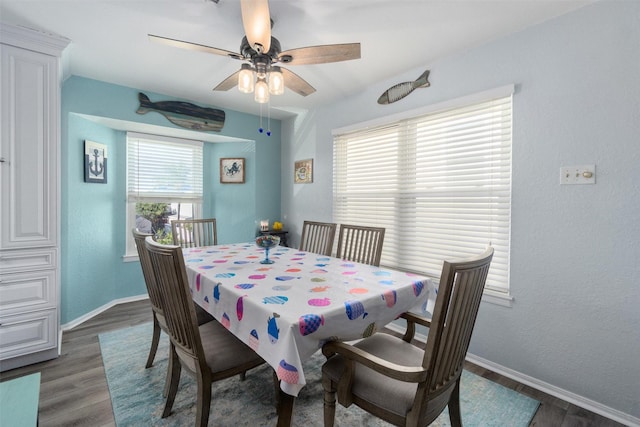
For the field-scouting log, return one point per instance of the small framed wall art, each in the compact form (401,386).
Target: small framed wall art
(95,162)
(232,170)
(303,171)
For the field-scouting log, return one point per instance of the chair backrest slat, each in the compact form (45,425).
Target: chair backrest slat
(317,237)
(191,233)
(360,244)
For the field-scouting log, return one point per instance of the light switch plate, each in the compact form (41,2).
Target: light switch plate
(583,174)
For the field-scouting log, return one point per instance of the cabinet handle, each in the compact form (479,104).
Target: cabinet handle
(2,160)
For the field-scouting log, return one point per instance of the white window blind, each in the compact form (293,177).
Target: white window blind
(161,168)
(440,183)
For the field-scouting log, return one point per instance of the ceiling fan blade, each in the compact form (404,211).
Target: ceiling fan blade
(257,24)
(194,46)
(229,82)
(296,83)
(321,54)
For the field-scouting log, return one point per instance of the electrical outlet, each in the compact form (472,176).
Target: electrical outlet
(584,174)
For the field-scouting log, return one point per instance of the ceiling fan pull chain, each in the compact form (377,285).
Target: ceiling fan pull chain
(260,129)
(269,118)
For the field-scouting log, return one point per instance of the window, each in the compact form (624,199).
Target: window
(440,182)
(164,182)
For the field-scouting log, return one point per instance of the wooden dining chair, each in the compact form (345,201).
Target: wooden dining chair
(317,237)
(208,352)
(398,381)
(360,244)
(159,322)
(191,233)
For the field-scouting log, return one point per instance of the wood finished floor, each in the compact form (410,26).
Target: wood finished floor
(74,390)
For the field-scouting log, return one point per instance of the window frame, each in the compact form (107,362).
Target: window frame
(134,196)
(498,294)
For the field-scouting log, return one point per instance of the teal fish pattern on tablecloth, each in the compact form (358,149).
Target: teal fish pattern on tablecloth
(276,299)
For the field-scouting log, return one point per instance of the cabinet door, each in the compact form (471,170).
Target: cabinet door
(28,291)
(28,149)
(27,333)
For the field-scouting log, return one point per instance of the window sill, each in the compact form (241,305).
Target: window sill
(130,258)
(498,298)
(492,297)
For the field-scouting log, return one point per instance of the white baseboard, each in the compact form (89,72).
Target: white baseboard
(542,386)
(82,319)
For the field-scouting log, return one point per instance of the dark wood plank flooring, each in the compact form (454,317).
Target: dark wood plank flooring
(74,388)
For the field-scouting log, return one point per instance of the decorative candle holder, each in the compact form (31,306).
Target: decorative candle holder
(264,225)
(267,242)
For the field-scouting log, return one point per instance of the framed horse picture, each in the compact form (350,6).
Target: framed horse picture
(232,170)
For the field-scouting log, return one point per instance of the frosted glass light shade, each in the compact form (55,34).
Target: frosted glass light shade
(245,79)
(257,24)
(276,81)
(261,92)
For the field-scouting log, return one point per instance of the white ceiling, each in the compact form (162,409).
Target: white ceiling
(109,40)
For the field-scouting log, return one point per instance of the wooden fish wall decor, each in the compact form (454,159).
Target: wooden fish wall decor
(399,91)
(184,114)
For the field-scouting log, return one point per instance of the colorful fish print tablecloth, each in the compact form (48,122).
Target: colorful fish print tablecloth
(287,310)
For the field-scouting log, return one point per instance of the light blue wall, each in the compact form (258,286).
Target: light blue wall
(575,265)
(93,215)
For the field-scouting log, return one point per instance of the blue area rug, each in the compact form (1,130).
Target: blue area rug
(136,393)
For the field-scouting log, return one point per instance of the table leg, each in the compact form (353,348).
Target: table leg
(285,409)
(284,403)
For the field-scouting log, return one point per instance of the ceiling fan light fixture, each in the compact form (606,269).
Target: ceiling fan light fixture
(261,63)
(261,51)
(261,94)
(245,79)
(276,81)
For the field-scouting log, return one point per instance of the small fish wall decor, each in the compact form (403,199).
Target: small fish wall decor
(184,114)
(399,91)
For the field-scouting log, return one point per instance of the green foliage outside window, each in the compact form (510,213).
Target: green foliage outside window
(158,216)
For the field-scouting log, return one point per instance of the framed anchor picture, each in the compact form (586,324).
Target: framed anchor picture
(95,162)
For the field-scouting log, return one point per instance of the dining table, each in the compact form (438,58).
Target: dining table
(286,303)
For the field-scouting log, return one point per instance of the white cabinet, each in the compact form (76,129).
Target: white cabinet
(29,195)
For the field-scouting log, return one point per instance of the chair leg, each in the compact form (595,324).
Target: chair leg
(173,383)
(167,381)
(204,399)
(329,402)
(454,406)
(155,339)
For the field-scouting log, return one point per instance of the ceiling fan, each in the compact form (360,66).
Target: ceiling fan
(262,52)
